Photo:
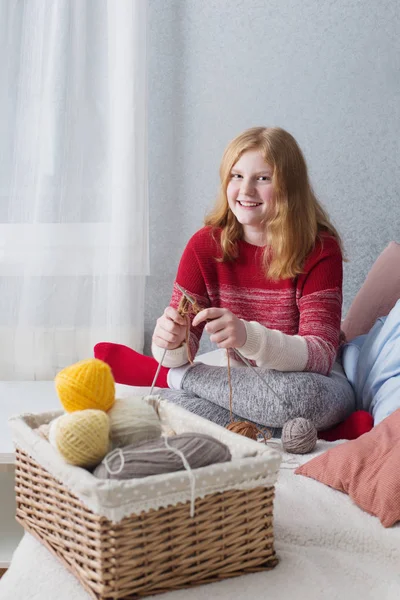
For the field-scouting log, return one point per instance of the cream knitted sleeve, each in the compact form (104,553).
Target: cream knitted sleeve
(173,358)
(273,349)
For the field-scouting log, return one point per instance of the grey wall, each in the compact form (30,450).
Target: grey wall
(328,72)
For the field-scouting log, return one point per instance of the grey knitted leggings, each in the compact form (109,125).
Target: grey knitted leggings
(325,400)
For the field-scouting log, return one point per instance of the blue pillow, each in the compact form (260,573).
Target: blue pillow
(372,365)
(350,355)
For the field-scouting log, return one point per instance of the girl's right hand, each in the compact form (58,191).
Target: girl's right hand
(170,330)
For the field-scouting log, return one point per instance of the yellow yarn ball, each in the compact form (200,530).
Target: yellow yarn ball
(86,384)
(81,437)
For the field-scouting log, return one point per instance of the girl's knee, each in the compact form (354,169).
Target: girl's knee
(334,403)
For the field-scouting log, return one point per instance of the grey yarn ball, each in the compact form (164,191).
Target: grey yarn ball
(299,436)
(153,457)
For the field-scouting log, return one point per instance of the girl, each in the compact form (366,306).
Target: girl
(266,270)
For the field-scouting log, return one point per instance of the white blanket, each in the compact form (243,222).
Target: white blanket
(328,549)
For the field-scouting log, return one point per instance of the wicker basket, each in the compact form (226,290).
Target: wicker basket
(155,551)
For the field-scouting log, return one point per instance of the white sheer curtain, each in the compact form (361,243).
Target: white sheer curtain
(73,181)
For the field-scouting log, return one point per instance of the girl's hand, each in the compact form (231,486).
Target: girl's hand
(170,330)
(225,329)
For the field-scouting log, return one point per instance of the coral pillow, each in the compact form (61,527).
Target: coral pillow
(377,295)
(367,469)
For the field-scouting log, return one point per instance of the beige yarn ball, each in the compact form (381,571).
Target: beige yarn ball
(299,436)
(81,437)
(133,420)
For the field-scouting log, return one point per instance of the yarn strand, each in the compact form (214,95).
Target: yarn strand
(230,384)
(246,428)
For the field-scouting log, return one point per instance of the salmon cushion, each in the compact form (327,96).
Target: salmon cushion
(367,469)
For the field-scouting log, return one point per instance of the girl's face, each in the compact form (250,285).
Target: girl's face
(250,195)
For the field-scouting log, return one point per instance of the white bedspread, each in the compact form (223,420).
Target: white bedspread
(328,548)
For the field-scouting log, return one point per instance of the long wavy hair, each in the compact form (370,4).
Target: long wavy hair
(297,218)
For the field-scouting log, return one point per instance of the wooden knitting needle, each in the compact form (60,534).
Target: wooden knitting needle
(157,372)
(184,293)
(191,300)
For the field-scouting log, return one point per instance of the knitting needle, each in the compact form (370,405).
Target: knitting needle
(239,354)
(191,300)
(157,372)
(184,293)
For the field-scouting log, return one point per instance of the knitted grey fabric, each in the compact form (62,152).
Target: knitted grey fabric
(324,400)
(209,410)
(199,406)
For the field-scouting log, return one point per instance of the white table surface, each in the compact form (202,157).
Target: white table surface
(18,397)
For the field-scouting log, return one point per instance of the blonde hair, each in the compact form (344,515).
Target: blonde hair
(298,218)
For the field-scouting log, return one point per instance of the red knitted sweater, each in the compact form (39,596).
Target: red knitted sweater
(308,305)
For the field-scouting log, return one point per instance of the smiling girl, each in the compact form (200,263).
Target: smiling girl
(266,269)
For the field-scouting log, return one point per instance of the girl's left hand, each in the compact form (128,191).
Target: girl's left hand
(225,329)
